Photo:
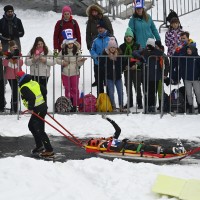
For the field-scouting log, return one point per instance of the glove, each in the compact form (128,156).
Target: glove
(104,116)
(16,52)
(55,53)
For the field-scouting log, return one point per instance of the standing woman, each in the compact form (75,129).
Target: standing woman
(13,64)
(142,25)
(40,60)
(67,22)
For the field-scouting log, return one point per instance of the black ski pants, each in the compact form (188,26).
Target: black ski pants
(37,128)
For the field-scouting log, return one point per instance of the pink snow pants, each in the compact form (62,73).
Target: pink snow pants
(71,84)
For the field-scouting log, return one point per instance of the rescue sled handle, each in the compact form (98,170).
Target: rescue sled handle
(73,139)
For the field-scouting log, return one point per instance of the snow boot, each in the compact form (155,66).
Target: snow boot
(37,150)
(198,108)
(46,154)
(190,109)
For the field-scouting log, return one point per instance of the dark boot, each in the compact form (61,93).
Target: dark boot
(198,108)
(190,109)
(159,107)
(139,102)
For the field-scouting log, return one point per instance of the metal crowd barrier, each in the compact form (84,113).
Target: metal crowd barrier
(55,86)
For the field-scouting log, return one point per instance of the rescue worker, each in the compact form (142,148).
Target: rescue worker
(33,96)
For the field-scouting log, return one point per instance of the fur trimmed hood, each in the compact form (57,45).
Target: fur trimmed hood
(93,7)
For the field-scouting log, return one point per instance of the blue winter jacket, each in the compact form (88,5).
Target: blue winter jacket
(99,44)
(143,29)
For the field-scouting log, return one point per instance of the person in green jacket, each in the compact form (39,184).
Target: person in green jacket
(143,26)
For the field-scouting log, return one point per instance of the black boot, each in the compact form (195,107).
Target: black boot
(190,109)
(159,107)
(198,108)
(139,102)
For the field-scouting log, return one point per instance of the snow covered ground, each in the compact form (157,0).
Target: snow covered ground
(28,179)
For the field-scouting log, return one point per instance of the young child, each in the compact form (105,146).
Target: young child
(13,64)
(113,70)
(40,64)
(70,60)
(190,73)
(172,36)
(2,89)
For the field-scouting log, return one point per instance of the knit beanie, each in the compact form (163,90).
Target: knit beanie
(129,32)
(174,20)
(112,43)
(8,7)
(151,42)
(101,24)
(20,74)
(66,9)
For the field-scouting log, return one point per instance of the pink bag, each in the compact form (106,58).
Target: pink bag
(88,103)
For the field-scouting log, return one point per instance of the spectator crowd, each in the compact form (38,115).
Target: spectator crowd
(139,60)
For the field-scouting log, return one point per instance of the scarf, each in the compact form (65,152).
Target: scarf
(128,50)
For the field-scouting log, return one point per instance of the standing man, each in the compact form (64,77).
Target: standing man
(11,28)
(95,14)
(33,97)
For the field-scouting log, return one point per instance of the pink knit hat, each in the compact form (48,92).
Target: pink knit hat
(112,43)
(66,9)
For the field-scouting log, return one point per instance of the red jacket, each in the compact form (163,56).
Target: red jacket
(62,25)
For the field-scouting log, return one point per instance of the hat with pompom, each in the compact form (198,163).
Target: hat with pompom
(66,9)
(151,42)
(112,43)
(129,32)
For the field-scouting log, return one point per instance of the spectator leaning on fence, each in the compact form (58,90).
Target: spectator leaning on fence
(70,60)
(152,59)
(143,26)
(13,64)
(67,22)
(180,51)
(40,60)
(113,70)
(134,78)
(190,73)
(2,88)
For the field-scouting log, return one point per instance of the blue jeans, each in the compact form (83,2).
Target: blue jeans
(111,90)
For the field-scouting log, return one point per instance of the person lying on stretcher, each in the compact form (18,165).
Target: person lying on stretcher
(113,144)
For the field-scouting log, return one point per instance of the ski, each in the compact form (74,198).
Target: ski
(191,152)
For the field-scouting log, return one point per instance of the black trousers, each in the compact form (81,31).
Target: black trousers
(134,79)
(14,87)
(37,128)
(2,95)
(99,75)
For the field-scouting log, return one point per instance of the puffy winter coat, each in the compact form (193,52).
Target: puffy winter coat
(38,68)
(12,66)
(14,33)
(91,28)
(98,45)
(190,66)
(143,29)
(172,39)
(74,62)
(113,69)
(62,25)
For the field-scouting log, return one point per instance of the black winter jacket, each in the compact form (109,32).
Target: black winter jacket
(29,96)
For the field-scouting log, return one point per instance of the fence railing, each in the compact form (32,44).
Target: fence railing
(147,77)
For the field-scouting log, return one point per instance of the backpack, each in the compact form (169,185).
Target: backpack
(87,103)
(103,103)
(63,104)
(177,100)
